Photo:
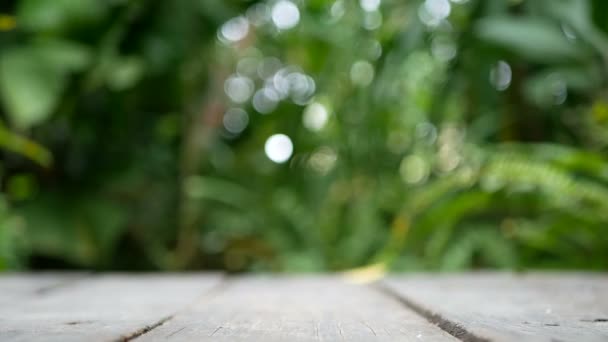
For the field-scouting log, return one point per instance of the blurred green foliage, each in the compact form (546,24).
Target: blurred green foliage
(420,134)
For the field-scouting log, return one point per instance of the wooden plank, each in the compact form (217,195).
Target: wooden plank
(20,286)
(508,307)
(311,308)
(102,308)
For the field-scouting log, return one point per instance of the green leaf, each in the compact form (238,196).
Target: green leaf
(82,230)
(25,146)
(537,39)
(459,256)
(32,78)
(63,55)
(549,87)
(124,73)
(57,15)
(219,190)
(577,15)
(30,86)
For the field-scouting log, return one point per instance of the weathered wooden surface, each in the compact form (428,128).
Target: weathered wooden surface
(100,308)
(506,307)
(202,307)
(297,309)
(20,287)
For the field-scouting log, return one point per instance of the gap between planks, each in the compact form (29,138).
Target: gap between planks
(104,306)
(225,283)
(577,301)
(222,284)
(442,323)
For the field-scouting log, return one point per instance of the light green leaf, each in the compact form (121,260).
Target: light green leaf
(26,147)
(56,15)
(537,39)
(576,14)
(62,54)
(30,86)
(32,78)
(124,73)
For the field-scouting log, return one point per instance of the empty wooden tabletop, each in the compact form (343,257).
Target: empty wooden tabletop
(215,307)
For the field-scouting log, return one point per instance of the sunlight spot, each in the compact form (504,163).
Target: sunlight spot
(500,76)
(433,12)
(414,169)
(372,20)
(337,9)
(323,160)
(278,148)
(448,158)
(239,88)
(258,14)
(234,29)
(301,87)
(265,100)
(439,9)
(315,117)
(369,5)
(285,15)
(235,120)
(366,274)
(290,81)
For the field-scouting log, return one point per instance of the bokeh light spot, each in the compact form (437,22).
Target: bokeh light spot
(315,117)
(500,76)
(362,73)
(414,169)
(265,100)
(285,15)
(323,160)
(234,29)
(372,20)
(239,88)
(278,148)
(433,12)
(235,120)
(369,5)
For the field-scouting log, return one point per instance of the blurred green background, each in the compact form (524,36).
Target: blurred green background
(303,135)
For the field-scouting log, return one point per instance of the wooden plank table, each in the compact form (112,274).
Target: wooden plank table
(214,307)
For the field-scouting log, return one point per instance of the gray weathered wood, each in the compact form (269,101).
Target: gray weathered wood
(15,287)
(494,306)
(101,308)
(297,309)
(506,307)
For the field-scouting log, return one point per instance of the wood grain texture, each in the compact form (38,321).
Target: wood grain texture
(15,287)
(507,307)
(311,308)
(101,308)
